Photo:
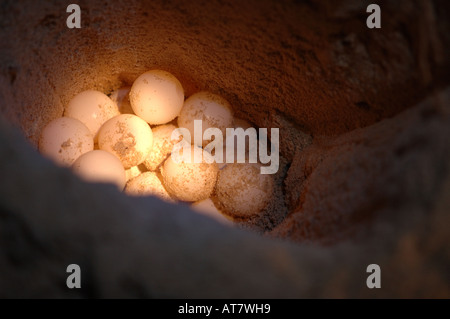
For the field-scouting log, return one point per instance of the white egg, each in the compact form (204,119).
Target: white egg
(147,184)
(100,167)
(162,146)
(190,181)
(134,171)
(238,123)
(208,208)
(65,139)
(128,137)
(93,108)
(211,109)
(230,159)
(242,190)
(122,99)
(157,97)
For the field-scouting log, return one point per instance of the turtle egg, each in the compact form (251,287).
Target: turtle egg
(211,109)
(207,207)
(162,146)
(122,99)
(134,171)
(128,137)
(238,123)
(190,181)
(242,190)
(147,184)
(64,139)
(157,97)
(93,108)
(100,167)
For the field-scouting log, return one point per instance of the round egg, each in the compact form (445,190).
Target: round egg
(190,181)
(250,144)
(230,159)
(128,137)
(93,108)
(100,167)
(65,139)
(157,97)
(242,190)
(122,99)
(162,146)
(213,110)
(208,208)
(134,171)
(147,184)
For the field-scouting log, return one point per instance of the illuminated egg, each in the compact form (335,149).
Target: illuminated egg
(134,171)
(162,146)
(208,208)
(190,181)
(122,99)
(238,123)
(93,108)
(157,97)
(147,184)
(100,167)
(242,190)
(128,137)
(211,109)
(65,139)
(223,162)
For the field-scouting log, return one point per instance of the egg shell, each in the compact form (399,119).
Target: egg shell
(132,172)
(147,184)
(242,190)
(189,181)
(157,97)
(207,207)
(100,167)
(93,108)
(128,137)
(64,140)
(213,110)
(162,146)
(238,123)
(233,159)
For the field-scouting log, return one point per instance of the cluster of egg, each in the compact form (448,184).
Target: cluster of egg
(125,139)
